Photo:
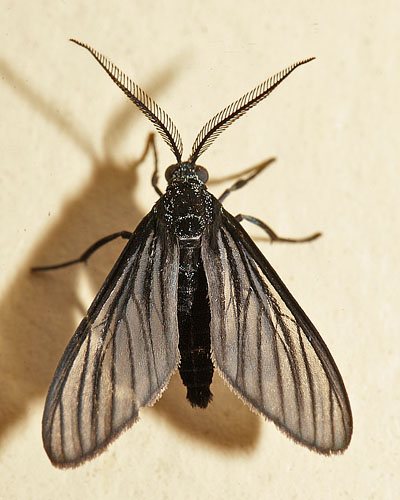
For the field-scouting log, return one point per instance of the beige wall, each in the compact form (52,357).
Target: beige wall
(67,137)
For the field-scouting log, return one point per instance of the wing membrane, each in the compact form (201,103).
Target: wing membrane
(122,354)
(266,348)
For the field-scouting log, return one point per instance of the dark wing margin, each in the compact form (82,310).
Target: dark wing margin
(121,356)
(266,348)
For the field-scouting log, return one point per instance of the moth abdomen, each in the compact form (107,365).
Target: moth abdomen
(196,368)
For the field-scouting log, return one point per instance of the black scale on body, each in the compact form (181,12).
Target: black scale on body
(188,208)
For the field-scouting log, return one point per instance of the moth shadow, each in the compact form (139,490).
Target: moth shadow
(39,312)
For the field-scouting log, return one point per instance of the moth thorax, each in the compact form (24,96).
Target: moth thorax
(189,227)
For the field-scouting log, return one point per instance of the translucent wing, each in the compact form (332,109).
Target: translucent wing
(266,348)
(122,354)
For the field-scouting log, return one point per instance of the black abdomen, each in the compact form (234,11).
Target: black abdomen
(196,368)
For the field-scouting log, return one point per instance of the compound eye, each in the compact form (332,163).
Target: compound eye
(170,172)
(202,173)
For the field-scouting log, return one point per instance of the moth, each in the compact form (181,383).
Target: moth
(191,291)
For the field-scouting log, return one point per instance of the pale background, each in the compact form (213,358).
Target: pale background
(68,137)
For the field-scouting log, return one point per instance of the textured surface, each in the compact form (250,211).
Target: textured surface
(70,143)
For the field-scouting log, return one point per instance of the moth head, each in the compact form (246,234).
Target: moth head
(186,170)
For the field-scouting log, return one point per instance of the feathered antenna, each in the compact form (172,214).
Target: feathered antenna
(154,113)
(214,127)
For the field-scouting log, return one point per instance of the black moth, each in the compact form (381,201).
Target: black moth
(192,291)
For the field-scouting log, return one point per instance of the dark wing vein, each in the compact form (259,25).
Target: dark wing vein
(266,348)
(214,127)
(145,103)
(122,354)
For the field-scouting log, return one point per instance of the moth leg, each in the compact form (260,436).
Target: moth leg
(254,171)
(84,257)
(272,234)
